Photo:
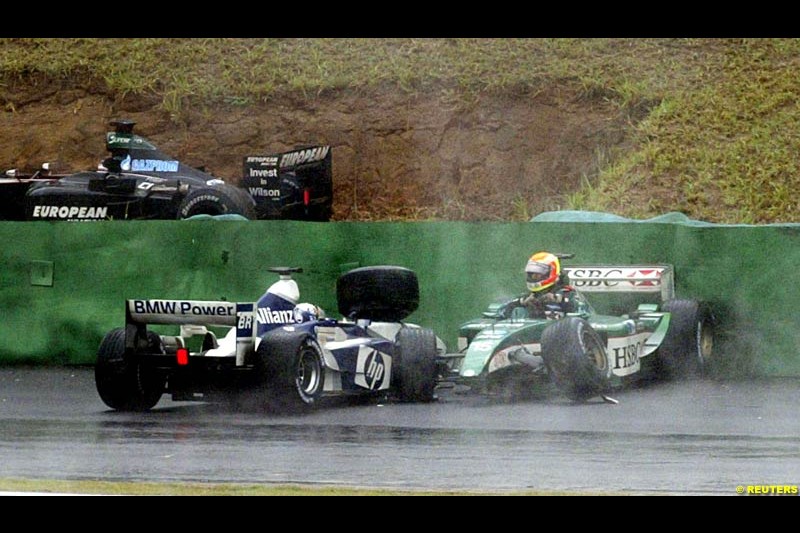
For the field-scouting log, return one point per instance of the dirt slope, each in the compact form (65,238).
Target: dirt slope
(396,155)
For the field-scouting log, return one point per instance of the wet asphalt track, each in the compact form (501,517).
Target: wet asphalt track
(699,437)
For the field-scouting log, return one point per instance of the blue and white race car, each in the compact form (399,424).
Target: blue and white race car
(285,354)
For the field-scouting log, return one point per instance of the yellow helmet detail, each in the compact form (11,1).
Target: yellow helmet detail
(542,271)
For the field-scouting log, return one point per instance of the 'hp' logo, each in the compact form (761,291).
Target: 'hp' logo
(372,369)
(375,370)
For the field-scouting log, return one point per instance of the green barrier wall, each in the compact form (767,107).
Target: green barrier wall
(746,272)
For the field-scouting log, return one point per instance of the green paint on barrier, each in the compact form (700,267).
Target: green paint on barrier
(744,272)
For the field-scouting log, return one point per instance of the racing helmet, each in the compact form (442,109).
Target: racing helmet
(542,271)
(306,312)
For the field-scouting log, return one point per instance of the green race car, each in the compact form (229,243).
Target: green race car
(586,354)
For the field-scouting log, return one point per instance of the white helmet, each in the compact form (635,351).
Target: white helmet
(306,312)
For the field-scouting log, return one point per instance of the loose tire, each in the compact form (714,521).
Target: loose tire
(126,384)
(220,200)
(379,293)
(414,365)
(687,348)
(576,358)
(292,371)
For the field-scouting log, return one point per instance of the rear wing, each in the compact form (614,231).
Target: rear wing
(625,278)
(188,313)
(265,176)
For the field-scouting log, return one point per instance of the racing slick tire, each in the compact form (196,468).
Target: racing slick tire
(292,370)
(125,384)
(576,358)
(379,293)
(415,368)
(687,347)
(220,200)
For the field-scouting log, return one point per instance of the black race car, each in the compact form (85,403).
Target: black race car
(138,181)
(13,186)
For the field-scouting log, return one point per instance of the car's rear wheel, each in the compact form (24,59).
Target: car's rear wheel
(415,365)
(292,372)
(220,200)
(127,383)
(576,358)
(379,293)
(688,347)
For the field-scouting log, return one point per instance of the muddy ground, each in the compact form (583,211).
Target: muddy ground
(396,155)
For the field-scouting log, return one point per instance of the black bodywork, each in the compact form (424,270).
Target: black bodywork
(295,185)
(138,181)
(13,186)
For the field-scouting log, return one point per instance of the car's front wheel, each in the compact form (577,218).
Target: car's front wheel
(415,364)
(576,358)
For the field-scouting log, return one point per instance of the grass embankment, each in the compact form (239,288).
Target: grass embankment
(720,144)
